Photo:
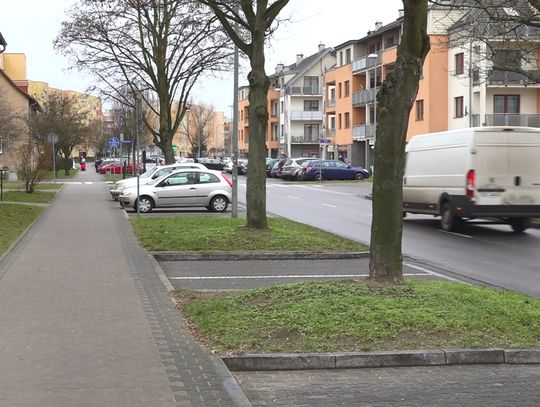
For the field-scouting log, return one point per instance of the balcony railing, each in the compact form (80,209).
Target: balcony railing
(330,132)
(306,115)
(331,103)
(512,119)
(497,77)
(364,97)
(303,90)
(365,63)
(305,139)
(363,131)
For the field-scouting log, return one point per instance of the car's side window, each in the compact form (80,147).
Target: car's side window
(341,164)
(328,164)
(181,178)
(206,178)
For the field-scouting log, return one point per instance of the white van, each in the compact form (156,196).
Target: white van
(481,172)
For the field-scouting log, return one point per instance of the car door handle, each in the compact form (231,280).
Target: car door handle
(192,188)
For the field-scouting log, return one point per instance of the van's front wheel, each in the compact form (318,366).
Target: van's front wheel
(449,220)
(520,224)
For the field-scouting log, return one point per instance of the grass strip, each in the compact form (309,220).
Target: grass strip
(38,187)
(34,197)
(211,234)
(14,219)
(347,316)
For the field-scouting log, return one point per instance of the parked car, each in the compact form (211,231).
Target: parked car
(181,188)
(332,169)
(242,167)
(276,169)
(269,164)
(229,166)
(116,168)
(211,163)
(292,168)
(149,176)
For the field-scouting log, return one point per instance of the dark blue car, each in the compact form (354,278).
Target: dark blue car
(331,169)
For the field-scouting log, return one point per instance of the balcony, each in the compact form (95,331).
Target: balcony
(362,132)
(331,103)
(303,91)
(364,97)
(503,78)
(330,132)
(512,119)
(306,115)
(305,139)
(365,63)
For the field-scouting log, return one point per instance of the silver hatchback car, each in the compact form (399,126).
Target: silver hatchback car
(181,188)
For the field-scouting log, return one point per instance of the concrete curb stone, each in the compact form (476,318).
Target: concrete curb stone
(352,360)
(256,255)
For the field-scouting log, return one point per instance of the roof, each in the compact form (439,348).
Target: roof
(299,68)
(32,101)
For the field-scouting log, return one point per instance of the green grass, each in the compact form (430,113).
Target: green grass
(60,174)
(38,187)
(14,219)
(353,316)
(210,234)
(35,197)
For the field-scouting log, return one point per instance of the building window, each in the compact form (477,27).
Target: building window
(339,90)
(311,132)
(311,83)
(274,132)
(340,58)
(459,63)
(347,120)
(458,106)
(274,108)
(348,56)
(506,104)
(390,41)
(347,88)
(311,105)
(333,122)
(420,110)
(339,121)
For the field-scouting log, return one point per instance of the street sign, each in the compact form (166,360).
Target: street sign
(52,138)
(127,141)
(114,142)
(324,141)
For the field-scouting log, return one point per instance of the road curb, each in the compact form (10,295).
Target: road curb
(234,256)
(355,360)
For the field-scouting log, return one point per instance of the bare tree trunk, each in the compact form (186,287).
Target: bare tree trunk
(258,91)
(395,101)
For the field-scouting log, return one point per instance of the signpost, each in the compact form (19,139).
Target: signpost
(53,139)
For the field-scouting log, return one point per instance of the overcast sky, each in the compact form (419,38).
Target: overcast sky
(29,26)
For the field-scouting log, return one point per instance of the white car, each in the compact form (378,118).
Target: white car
(187,187)
(149,177)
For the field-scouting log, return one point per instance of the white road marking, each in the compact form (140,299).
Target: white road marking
(330,206)
(281,276)
(88,183)
(293,197)
(431,272)
(455,234)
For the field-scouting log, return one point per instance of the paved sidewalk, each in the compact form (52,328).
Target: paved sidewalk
(86,321)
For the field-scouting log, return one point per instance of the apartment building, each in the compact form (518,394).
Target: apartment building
(459,86)
(295,107)
(16,107)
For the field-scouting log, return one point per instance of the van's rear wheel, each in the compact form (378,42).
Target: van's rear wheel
(520,224)
(449,220)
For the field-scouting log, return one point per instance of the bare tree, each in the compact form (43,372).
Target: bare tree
(63,116)
(196,128)
(395,100)
(159,48)
(257,19)
(31,165)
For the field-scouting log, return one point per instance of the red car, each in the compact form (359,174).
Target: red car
(116,168)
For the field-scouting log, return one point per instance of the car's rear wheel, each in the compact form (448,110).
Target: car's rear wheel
(359,175)
(298,176)
(520,224)
(449,221)
(319,176)
(219,203)
(146,204)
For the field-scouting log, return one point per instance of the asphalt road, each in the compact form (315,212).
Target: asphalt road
(491,254)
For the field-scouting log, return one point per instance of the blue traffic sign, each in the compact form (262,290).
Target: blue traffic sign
(325,141)
(114,142)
